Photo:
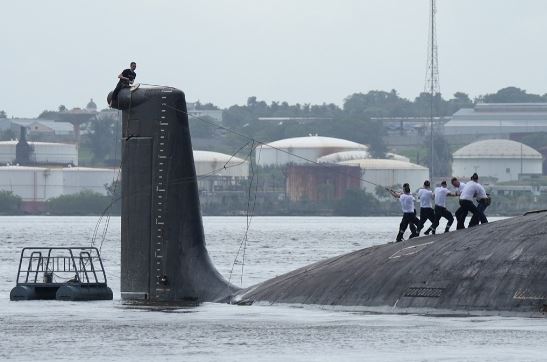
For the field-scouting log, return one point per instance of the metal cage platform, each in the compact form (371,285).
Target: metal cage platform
(62,273)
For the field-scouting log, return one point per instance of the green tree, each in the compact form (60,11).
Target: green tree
(202,128)
(9,203)
(103,140)
(83,203)
(511,95)
(442,157)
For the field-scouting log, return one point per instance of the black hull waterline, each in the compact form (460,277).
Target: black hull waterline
(496,268)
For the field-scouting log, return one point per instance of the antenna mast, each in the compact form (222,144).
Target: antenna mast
(432,85)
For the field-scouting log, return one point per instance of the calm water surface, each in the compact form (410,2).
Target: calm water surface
(40,330)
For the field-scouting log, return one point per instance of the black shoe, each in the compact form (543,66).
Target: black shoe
(446,230)
(414,235)
(428,231)
(399,240)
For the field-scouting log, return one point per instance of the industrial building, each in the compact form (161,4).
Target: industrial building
(497,120)
(219,171)
(43,153)
(300,149)
(503,160)
(387,173)
(320,183)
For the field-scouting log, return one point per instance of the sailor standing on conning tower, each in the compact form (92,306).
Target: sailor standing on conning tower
(126,78)
(425,195)
(409,213)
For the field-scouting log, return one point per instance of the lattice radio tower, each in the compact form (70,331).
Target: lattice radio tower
(432,85)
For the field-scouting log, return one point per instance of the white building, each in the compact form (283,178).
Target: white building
(388,173)
(44,153)
(300,149)
(502,159)
(38,184)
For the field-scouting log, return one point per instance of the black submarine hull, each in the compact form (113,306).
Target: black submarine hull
(493,268)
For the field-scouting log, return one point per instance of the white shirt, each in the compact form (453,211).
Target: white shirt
(425,196)
(461,187)
(470,191)
(440,196)
(481,194)
(407,202)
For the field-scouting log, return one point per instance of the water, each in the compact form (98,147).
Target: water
(106,330)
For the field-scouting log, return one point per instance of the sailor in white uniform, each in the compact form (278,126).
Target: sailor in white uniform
(409,213)
(469,192)
(440,207)
(425,195)
(483,201)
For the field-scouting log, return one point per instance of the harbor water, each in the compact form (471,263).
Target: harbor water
(109,330)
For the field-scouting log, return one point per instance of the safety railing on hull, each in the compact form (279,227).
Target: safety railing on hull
(57,265)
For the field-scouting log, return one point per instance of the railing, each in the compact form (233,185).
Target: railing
(57,265)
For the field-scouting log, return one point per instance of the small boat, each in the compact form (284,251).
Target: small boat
(62,273)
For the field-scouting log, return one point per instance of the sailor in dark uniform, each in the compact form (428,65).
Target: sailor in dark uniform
(126,78)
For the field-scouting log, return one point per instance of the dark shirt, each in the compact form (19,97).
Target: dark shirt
(128,73)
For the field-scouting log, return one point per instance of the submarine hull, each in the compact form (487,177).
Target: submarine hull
(495,268)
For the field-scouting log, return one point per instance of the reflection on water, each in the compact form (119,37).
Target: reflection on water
(106,330)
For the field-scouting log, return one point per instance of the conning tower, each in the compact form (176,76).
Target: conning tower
(163,254)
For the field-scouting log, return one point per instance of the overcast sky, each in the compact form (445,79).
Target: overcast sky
(307,51)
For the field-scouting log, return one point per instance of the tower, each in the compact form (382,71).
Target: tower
(432,86)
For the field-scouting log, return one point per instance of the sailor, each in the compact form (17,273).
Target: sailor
(469,192)
(440,207)
(425,195)
(458,188)
(409,213)
(483,201)
(126,78)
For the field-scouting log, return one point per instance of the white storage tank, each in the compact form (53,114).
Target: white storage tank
(502,159)
(357,155)
(299,149)
(77,179)
(44,153)
(212,163)
(387,173)
(31,183)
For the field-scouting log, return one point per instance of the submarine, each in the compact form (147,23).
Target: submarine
(499,268)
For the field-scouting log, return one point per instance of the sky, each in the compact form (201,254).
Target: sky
(223,51)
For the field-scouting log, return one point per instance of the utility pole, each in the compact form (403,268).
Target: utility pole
(432,85)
